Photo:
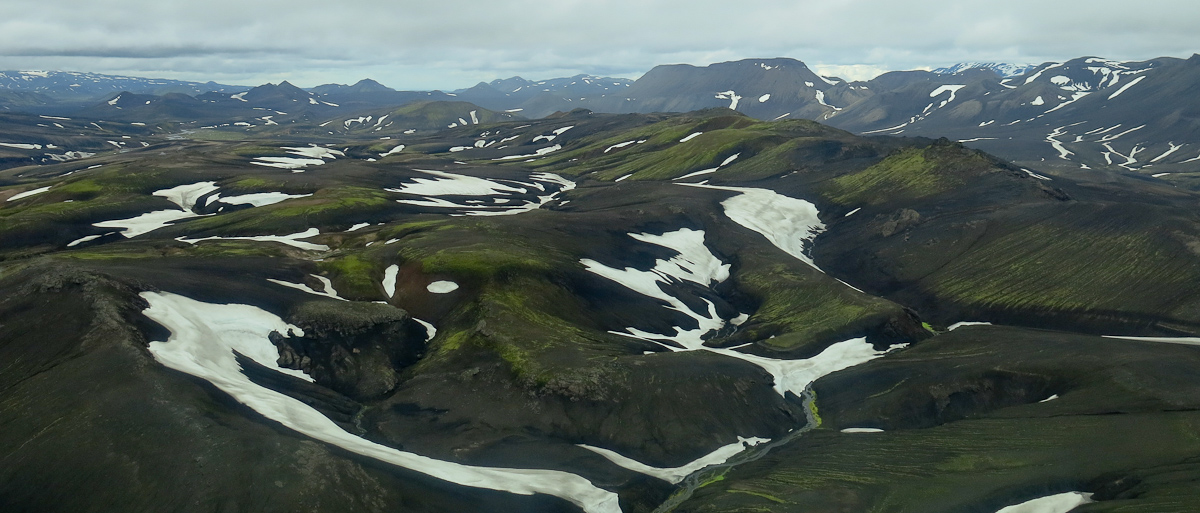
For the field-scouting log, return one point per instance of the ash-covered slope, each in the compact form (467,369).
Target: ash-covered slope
(587,312)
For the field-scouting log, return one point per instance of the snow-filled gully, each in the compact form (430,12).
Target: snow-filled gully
(205,336)
(203,341)
(696,264)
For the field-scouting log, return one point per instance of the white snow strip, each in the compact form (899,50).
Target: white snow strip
(22,146)
(292,240)
(1168,153)
(399,148)
(1063,152)
(27,194)
(389,280)
(1159,175)
(615,146)
(852,212)
(430,330)
(862,430)
(690,137)
(1048,399)
(358,226)
(1108,138)
(1074,98)
(82,240)
(537,153)
(329,291)
(697,173)
(1126,87)
(204,338)
(1187,341)
(1038,101)
(902,125)
(958,325)
(1035,175)
(442,287)
(764,98)
(977,139)
(677,474)
(1060,503)
(260,199)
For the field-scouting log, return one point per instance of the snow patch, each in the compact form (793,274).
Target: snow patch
(389,280)
(731,96)
(442,287)
(27,194)
(1060,503)
(203,342)
(789,224)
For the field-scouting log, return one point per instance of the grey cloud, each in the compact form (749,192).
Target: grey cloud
(450,44)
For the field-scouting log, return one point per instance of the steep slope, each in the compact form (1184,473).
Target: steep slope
(1084,113)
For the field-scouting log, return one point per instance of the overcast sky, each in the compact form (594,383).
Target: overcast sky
(451,44)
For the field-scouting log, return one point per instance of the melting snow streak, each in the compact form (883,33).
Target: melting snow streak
(204,339)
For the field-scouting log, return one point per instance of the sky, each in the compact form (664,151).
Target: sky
(452,44)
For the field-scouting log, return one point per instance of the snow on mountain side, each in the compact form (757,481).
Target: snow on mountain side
(1004,69)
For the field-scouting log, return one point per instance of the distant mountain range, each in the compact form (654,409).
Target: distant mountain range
(70,85)
(1003,68)
(1086,113)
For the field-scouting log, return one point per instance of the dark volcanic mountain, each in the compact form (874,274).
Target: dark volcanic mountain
(609,313)
(544,97)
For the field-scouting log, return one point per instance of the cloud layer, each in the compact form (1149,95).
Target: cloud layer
(455,43)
